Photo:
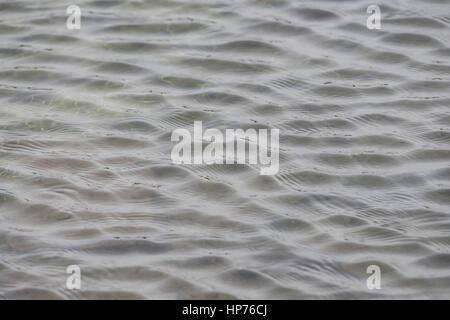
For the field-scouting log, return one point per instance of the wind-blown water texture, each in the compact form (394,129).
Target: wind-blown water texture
(86,176)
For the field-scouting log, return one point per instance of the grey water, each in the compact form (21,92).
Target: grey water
(86,176)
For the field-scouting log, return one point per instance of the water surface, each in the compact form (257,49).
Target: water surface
(86,176)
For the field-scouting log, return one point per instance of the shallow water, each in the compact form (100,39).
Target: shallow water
(86,176)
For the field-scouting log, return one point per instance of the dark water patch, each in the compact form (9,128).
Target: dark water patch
(215,65)
(165,29)
(316,14)
(410,39)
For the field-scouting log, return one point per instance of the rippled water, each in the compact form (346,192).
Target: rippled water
(86,176)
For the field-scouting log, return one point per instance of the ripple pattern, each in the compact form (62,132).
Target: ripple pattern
(86,176)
